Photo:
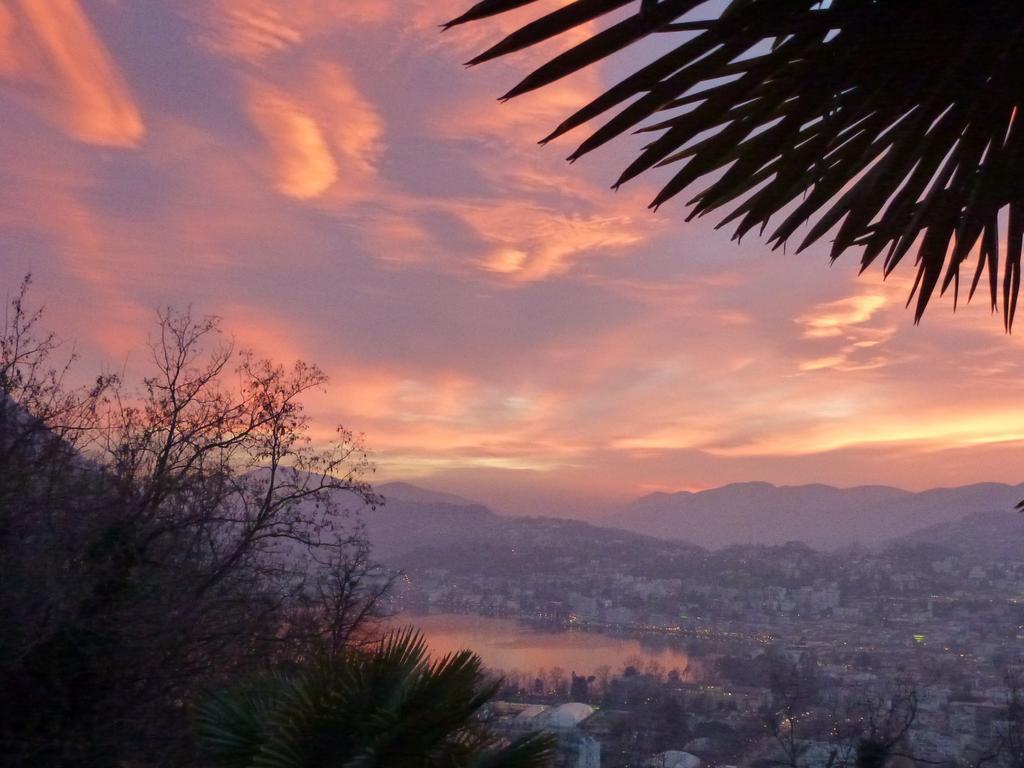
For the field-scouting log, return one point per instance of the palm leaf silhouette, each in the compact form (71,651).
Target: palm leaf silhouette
(389,708)
(889,127)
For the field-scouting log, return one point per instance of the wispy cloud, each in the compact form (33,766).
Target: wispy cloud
(328,180)
(851,329)
(837,318)
(54,58)
(303,162)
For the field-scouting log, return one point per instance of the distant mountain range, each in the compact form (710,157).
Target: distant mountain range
(819,515)
(974,518)
(419,528)
(407,492)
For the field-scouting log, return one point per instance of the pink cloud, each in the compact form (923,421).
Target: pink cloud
(50,51)
(531,242)
(480,305)
(303,162)
(254,30)
(321,132)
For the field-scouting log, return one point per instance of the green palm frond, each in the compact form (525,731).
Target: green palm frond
(889,126)
(388,708)
(232,725)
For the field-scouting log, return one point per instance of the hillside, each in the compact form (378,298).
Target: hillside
(547,545)
(819,515)
(407,492)
(419,528)
(401,525)
(982,536)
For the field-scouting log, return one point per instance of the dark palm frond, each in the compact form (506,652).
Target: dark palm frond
(232,725)
(388,708)
(525,752)
(890,125)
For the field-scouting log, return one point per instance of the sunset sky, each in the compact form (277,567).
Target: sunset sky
(327,178)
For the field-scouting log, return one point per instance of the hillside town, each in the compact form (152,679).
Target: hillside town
(799,653)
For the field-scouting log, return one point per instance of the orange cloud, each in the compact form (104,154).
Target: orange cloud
(818,363)
(8,54)
(531,242)
(917,430)
(852,323)
(303,162)
(318,134)
(356,127)
(543,216)
(254,30)
(834,318)
(669,438)
(249,30)
(429,220)
(49,49)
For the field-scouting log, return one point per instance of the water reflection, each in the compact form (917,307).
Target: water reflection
(506,645)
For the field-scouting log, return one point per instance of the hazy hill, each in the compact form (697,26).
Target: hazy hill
(419,528)
(448,526)
(554,546)
(983,536)
(407,492)
(413,518)
(819,515)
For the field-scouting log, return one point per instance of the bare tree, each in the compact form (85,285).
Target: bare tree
(787,717)
(345,604)
(879,724)
(1006,746)
(155,539)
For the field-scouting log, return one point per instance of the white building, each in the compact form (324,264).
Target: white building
(673,758)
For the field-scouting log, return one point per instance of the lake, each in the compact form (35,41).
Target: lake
(506,645)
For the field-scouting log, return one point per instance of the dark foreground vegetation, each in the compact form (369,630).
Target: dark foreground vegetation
(162,542)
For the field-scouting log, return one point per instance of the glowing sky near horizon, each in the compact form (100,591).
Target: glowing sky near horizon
(327,178)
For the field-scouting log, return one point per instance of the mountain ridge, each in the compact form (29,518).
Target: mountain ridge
(820,515)
(402,491)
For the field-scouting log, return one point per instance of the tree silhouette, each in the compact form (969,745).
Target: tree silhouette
(155,539)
